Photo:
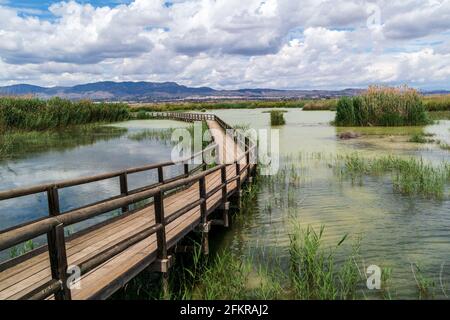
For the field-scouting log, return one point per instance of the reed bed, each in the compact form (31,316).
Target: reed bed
(277,118)
(412,177)
(37,114)
(382,106)
(437,102)
(315,274)
(321,105)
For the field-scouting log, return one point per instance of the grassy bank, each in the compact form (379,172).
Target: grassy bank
(380,106)
(37,114)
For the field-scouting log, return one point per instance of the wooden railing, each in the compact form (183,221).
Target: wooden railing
(53,225)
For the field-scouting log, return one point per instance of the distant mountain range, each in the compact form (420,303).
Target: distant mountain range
(164,91)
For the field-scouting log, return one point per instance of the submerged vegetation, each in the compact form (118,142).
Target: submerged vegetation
(277,118)
(380,106)
(420,138)
(37,114)
(165,135)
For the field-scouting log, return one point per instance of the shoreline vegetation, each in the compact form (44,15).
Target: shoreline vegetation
(378,106)
(33,114)
(310,268)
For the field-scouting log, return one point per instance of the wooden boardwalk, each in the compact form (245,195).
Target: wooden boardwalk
(113,252)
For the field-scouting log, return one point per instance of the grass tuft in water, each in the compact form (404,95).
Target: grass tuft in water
(315,274)
(277,118)
(409,176)
(425,286)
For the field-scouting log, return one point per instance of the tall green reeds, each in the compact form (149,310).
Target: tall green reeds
(381,106)
(277,118)
(315,274)
(36,114)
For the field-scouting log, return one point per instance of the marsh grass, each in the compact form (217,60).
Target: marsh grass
(188,106)
(419,138)
(315,274)
(412,177)
(227,276)
(164,135)
(382,106)
(19,113)
(277,118)
(21,249)
(439,115)
(437,102)
(444,146)
(425,286)
(321,105)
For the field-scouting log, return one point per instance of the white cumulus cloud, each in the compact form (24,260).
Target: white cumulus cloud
(230,43)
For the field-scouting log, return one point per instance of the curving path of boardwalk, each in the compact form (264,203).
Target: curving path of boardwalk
(112,253)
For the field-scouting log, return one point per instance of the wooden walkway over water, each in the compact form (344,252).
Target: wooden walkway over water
(111,253)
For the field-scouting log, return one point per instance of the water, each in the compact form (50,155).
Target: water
(395,230)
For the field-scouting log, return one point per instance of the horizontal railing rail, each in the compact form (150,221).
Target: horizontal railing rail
(53,226)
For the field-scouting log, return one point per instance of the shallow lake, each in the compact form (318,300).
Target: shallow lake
(395,231)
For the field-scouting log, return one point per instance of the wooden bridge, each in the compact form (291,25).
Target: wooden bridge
(111,253)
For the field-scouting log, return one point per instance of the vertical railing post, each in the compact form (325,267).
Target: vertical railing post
(53,201)
(202,189)
(57,247)
(159,219)
(225,204)
(238,184)
(124,188)
(160,174)
(223,174)
(204,216)
(186,169)
(161,241)
(247,156)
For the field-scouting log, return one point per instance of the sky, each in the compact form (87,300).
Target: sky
(227,44)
